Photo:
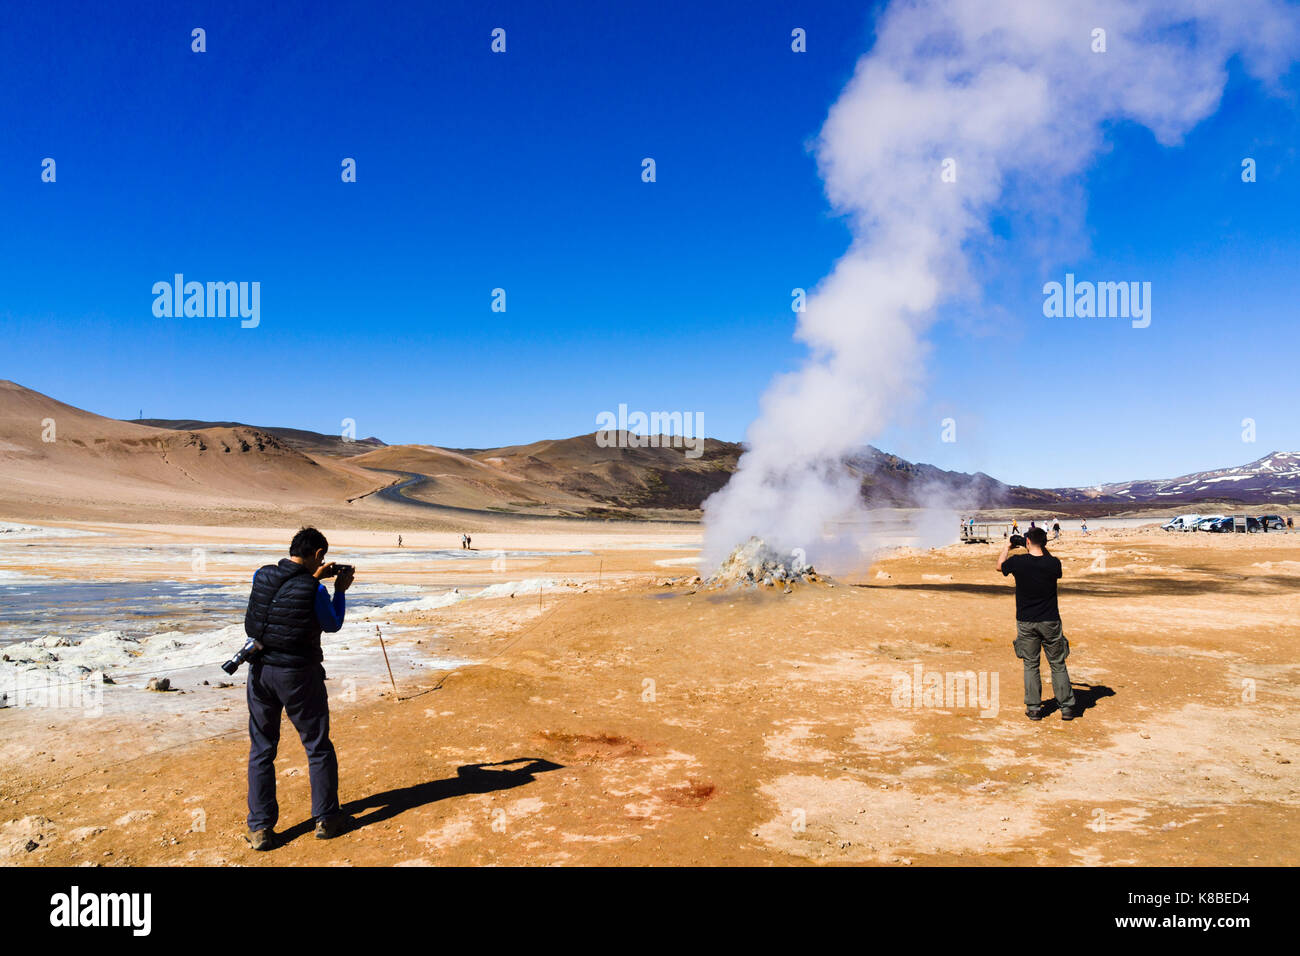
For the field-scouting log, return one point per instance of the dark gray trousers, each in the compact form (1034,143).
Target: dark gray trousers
(299,692)
(1046,637)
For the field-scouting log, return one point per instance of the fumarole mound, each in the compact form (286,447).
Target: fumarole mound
(755,564)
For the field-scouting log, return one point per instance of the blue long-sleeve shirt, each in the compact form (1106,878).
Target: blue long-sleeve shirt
(329,612)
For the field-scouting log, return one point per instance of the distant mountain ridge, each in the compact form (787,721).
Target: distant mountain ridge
(1272,478)
(889,479)
(628,478)
(110,465)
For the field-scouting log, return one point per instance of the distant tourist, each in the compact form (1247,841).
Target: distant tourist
(1083,526)
(399,540)
(1038,622)
(1289,525)
(1056,529)
(469,542)
(464,541)
(1015,526)
(288,609)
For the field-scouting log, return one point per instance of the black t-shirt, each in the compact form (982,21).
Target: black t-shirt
(1035,586)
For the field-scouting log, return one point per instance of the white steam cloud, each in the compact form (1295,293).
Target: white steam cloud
(1015,93)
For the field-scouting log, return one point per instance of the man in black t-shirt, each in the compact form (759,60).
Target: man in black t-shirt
(1038,621)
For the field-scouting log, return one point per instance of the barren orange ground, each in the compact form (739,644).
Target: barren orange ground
(635,723)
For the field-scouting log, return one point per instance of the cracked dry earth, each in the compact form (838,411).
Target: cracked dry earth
(637,724)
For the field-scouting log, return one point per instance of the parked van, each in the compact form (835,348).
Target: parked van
(1181,523)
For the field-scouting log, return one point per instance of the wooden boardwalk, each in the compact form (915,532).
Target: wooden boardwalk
(984,532)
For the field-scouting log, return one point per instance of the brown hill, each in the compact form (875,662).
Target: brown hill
(570,476)
(622,477)
(52,453)
(455,480)
(308,442)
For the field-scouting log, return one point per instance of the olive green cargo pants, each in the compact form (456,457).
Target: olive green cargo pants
(1033,638)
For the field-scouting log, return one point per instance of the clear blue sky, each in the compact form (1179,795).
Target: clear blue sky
(523,171)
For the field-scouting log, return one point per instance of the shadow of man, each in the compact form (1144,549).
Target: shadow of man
(1085,697)
(471,778)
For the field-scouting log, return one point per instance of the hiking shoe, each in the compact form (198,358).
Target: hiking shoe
(260,839)
(1068,713)
(331,826)
(1034,713)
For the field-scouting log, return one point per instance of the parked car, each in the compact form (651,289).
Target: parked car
(1219,525)
(1204,524)
(1181,523)
(1273,522)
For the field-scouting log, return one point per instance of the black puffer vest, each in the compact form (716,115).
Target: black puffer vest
(292,631)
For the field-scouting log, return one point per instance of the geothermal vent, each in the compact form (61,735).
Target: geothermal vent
(754,564)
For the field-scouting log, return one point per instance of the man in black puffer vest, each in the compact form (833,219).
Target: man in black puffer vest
(287,611)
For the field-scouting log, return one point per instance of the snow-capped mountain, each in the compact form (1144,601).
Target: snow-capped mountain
(1275,477)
